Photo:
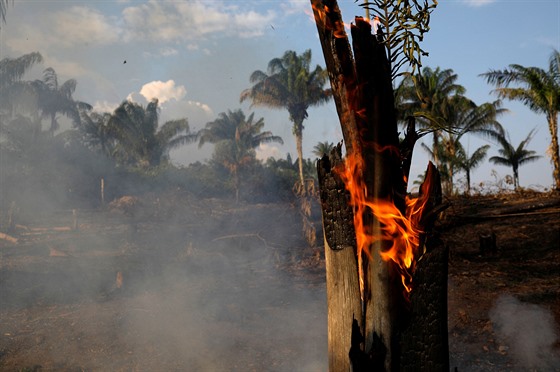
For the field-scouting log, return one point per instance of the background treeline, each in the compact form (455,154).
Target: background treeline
(57,151)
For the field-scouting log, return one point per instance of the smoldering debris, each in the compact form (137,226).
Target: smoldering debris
(528,331)
(196,285)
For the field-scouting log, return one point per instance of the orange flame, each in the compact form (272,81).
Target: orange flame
(401,232)
(337,27)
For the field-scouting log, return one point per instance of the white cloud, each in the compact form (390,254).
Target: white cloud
(163,91)
(168,51)
(136,97)
(104,106)
(82,25)
(252,24)
(162,52)
(478,3)
(295,7)
(192,21)
(203,106)
(171,101)
(265,151)
(74,26)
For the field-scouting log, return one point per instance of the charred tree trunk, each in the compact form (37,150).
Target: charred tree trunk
(374,328)
(343,289)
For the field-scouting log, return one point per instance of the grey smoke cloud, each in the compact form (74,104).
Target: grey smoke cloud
(529,331)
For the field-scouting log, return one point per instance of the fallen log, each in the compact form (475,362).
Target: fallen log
(8,238)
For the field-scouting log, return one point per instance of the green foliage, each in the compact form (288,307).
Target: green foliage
(403,24)
(539,90)
(12,70)
(514,157)
(133,136)
(53,99)
(15,93)
(290,84)
(468,163)
(323,148)
(236,137)
(442,109)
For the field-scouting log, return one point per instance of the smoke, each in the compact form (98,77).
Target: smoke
(204,288)
(528,330)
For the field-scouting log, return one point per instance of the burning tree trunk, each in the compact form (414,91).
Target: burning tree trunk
(379,297)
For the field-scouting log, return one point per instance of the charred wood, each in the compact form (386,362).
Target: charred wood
(371,324)
(488,244)
(338,218)
(424,339)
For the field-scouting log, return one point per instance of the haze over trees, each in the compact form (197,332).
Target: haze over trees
(48,134)
(235,138)
(139,139)
(54,98)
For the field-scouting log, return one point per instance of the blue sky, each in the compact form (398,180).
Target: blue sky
(197,55)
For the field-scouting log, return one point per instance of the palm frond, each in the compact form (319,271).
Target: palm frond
(403,25)
(12,70)
(500,160)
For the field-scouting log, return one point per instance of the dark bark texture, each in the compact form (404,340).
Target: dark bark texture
(424,339)
(383,330)
(338,219)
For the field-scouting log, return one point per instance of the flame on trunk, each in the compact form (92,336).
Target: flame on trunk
(401,232)
(337,27)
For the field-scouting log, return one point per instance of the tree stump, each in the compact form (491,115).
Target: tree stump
(377,308)
(488,244)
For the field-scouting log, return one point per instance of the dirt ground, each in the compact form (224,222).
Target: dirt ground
(178,284)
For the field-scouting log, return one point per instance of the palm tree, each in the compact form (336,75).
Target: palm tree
(290,84)
(139,140)
(540,91)
(323,148)
(422,95)
(425,96)
(18,136)
(96,131)
(468,163)
(463,116)
(4,8)
(515,157)
(12,89)
(18,97)
(236,137)
(435,98)
(54,98)
(12,70)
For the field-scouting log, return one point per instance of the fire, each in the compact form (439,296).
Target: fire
(376,24)
(337,27)
(402,233)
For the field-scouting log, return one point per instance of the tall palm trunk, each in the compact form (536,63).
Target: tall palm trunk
(53,124)
(435,154)
(516,177)
(236,184)
(298,133)
(554,149)
(452,152)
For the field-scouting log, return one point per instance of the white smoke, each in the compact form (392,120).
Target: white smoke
(529,331)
